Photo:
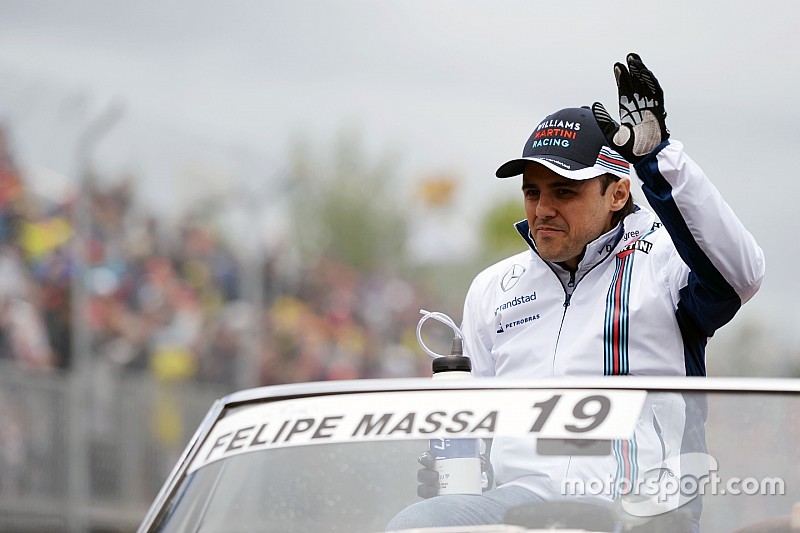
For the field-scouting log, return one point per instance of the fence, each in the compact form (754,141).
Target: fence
(89,453)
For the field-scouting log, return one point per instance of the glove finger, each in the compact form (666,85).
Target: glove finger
(427,460)
(649,80)
(649,88)
(429,483)
(635,67)
(424,491)
(635,63)
(623,78)
(607,124)
(428,477)
(626,90)
(643,78)
(487,471)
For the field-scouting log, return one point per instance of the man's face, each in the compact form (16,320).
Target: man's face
(565,215)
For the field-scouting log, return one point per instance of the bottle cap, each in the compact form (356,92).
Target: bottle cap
(451,363)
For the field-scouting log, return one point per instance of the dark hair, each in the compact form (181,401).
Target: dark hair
(627,209)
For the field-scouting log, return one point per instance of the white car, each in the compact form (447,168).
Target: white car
(634,454)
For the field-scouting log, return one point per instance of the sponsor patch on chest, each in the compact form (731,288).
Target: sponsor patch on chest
(502,326)
(520,316)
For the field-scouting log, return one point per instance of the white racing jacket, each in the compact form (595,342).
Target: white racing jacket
(644,301)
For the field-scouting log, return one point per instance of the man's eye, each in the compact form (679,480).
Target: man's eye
(566,192)
(531,193)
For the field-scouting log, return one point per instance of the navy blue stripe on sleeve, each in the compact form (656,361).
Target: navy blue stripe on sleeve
(708,301)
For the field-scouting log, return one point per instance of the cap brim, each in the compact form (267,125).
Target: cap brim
(559,165)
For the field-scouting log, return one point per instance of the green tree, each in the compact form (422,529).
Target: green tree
(346,206)
(498,236)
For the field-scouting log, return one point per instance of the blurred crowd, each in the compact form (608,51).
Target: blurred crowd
(169,298)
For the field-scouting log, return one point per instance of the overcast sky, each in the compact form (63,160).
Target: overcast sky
(449,85)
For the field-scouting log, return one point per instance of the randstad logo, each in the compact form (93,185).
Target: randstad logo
(516,301)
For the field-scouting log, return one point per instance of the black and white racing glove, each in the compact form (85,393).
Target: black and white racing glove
(641,112)
(428,477)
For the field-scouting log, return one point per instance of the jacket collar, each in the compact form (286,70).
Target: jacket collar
(603,246)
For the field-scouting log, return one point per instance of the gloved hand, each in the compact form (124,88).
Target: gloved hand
(641,112)
(428,477)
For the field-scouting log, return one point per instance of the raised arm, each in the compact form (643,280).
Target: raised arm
(717,265)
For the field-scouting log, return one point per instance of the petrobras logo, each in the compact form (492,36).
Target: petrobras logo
(501,328)
(511,277)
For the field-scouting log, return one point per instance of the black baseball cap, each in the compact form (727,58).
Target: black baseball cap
(569,142)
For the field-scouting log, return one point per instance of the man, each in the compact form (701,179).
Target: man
(605,288)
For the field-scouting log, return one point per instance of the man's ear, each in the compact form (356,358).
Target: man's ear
(620,190)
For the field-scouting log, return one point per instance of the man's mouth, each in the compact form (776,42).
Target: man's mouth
(547,230)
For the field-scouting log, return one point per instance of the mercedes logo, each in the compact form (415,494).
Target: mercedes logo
(511,277)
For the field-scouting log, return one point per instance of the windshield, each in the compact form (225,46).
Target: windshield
(710,461)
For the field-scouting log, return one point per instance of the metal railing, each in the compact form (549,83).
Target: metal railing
(89,453)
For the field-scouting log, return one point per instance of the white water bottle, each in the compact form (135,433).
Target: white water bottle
(458,461)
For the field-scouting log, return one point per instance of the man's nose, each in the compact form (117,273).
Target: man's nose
(545,207)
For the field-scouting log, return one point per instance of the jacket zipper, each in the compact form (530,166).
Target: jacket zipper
(568,293)
(567,297)
(568,290)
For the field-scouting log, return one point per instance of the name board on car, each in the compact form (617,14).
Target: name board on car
(405,415)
